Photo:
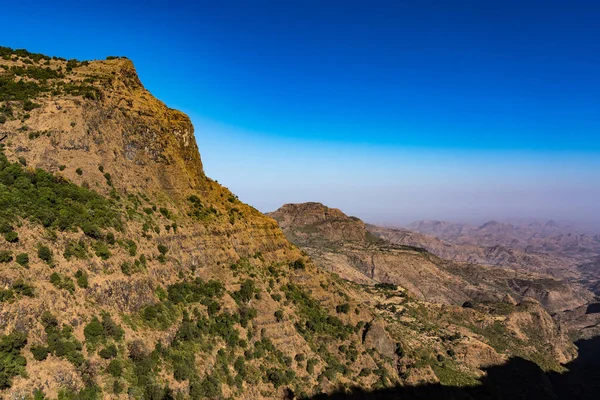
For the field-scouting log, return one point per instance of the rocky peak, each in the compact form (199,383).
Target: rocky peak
(303,220)
(97,114)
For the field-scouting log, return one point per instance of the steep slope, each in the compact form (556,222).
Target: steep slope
(345,245)
(127,273)
(127,270)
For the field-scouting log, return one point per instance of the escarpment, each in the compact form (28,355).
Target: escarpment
(126,272)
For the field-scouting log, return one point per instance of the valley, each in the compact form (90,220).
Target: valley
(126,272)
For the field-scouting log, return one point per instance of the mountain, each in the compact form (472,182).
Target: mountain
(550,248)
(127,273)
(495,255)
(364,254)
(550,238)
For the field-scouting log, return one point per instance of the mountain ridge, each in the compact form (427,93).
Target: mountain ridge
(378,256)
(127,273)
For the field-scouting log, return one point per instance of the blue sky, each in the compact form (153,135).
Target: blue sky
(391,110)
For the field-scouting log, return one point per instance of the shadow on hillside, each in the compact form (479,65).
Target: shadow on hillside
(517,379)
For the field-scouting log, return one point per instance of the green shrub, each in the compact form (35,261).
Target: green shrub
(279,315)
(96,331)
(117,386)
(159,315)
(115,368)
(386,286)
(316,320)
(76,249)
(40,353)
(101,250)
(91,230)
(342,308)
(62,282)
(91,392)
(310,365)
(276,297)
(110,238)
(79,171)
(82,279)
(62,167)
(6,295)
(12,362)
(108,352)
(195,291)
(22,288)
(209,387)
(5,256)
(278,377)
(298,264)
(162,249)
(183,365)
(45,254)
(131,247)
(12,237)
(246,291)
(126,268)
(23,259)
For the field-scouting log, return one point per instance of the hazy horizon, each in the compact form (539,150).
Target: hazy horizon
(390,111)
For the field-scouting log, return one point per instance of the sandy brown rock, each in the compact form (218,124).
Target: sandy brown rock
(376,337)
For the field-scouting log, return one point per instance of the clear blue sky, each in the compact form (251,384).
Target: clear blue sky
(390,110)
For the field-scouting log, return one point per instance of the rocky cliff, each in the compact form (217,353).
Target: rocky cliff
(127,273)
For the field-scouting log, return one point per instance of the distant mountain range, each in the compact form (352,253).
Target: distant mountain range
(549,247)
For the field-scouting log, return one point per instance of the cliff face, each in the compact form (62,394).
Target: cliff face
(146,145)
(125,271)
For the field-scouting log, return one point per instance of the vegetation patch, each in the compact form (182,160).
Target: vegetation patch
(197,291)
(60,342)
(315,319)
(62,282)
(12,362)
(19,288)
(52,201)
(97,331)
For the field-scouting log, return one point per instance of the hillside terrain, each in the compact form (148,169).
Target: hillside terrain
(560,250)
(471,252)
(127,273)
(364,253)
